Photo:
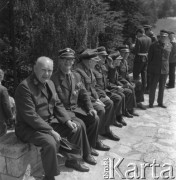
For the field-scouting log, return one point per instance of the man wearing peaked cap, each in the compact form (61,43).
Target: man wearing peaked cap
(89,54)
(77,102)
(172,61)
(102,87)
(142,45)
(158,66)
(89,59)
(67,53)
(117,80)
(150,34)
(102,51)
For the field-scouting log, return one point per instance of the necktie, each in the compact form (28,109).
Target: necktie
(68,78)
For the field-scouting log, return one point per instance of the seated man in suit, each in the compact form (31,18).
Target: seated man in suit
(6,114)
(42,119)
(76,100)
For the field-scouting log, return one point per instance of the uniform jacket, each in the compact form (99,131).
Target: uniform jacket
(142,46)
(115,78)
(172,57)
(159,58)
(88,80)
(35,109)
(73,97)
(5,109)
(104,84)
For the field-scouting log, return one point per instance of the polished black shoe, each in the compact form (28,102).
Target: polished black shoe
(128,115)
(141,106)
(117,124)
(102,147)
(75,164)
(122,121)
(170,87)
(150,105)
(48,178)
(90,160)
(162,106)
(131,111)
(94,152)
(111,135)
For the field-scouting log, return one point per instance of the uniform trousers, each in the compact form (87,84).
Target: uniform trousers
(140,68)
(117,100)
(106,118)
(155,79)
(92,124)
(172,74)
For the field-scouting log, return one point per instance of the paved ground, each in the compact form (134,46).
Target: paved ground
(149,138)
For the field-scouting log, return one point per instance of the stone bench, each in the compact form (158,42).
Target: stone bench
(15,156)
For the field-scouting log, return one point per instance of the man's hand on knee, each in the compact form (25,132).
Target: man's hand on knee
(72,126)
(56,135)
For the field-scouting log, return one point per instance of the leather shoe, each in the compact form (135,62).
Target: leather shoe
(150,105)
(49,178)
(170,87)
(90,160)
(128,115)
(122,121)
(162,106)
(94,152)
(102,147)
(111,135)
(117,124)
(131,111)
(141,106)
(75,164)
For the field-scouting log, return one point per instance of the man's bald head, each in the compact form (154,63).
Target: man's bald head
(43,68)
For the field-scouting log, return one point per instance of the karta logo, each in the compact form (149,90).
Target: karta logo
(134,171)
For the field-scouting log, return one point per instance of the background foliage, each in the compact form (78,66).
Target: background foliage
(30,28)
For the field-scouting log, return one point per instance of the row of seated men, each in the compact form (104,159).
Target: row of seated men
(79,103)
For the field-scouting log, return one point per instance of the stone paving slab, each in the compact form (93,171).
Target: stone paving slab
(149,139)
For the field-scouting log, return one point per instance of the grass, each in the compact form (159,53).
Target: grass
(165,23)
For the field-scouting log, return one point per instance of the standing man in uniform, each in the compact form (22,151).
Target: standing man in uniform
(150,34)
(103,106)
(158,65)
(172,61)
(142,45)
(76,100)
(42,119)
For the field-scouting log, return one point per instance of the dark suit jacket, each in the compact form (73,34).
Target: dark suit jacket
(172,57)
(5,109)
(158,58)
(74,96)
(35,110)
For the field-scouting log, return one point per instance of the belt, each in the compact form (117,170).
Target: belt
(142,54)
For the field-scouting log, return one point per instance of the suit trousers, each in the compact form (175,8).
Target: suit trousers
(107,119)
(155,79)
(172,74)
(50,147)
(140,68)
